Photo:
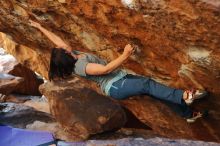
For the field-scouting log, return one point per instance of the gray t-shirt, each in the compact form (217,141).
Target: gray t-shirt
(104,81)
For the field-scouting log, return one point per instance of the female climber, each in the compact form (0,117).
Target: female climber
(114,81)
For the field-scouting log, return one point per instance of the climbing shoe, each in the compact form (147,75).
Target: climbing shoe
(194,94)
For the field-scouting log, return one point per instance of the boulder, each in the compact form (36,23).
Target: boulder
(8,83)
(31,81)
(80,110)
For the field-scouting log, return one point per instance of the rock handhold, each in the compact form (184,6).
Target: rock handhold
(80,110)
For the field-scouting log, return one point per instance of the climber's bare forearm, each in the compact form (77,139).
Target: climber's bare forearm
(98,69)
(55,39)
(113,65)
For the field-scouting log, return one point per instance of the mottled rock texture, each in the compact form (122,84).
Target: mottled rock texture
(81,111)
(179,45)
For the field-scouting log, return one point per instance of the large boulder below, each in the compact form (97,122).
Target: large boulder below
(9,65)
(80,110)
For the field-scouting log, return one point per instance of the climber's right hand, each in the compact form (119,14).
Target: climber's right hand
(128,50)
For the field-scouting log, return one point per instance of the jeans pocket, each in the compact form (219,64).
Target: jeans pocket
(114,92)
(123,82)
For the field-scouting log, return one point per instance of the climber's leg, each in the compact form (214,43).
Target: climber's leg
(160,91)
(132,85)
(126,87)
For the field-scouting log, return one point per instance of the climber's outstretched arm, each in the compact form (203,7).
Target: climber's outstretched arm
(53,37)
(99,69)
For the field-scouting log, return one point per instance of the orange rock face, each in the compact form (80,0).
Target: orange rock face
(82,113)
(178,41)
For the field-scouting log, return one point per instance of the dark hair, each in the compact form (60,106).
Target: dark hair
(62,63)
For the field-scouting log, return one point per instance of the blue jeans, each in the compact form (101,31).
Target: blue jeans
(132,85)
